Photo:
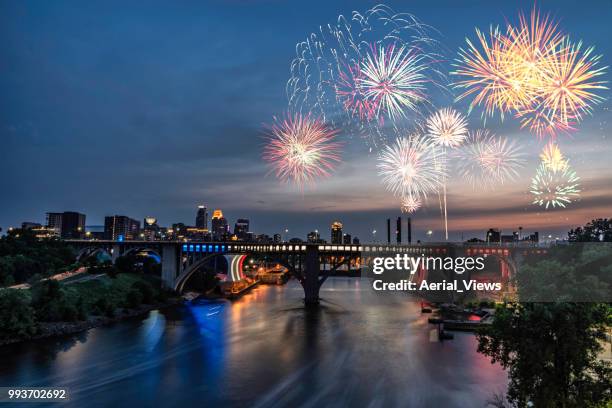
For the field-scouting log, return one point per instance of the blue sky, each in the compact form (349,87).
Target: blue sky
(152,108)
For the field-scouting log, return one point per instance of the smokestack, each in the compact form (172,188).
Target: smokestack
(388,230)
(409,231)
(398,230)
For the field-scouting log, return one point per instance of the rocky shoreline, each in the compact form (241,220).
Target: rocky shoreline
(53,329)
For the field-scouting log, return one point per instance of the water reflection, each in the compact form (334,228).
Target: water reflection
(265,350)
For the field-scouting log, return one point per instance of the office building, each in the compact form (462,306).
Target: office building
(313,237)
(336,232)
(121,228)
(241,228)
(346,239)
(150,229)
(277,238)
(219,227)
(202,217)
(389,231)
(68,225)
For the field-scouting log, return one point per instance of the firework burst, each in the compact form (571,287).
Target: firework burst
(327,72)
(353,100)
(552,157)
(488,160)
(393,79)
(484,70)
(412,166)
(554,188)
(568,83)
(447,127)
(301,149)
(533,71)
(411,204)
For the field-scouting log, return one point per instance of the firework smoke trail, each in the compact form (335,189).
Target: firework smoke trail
(448,129)
(487,160)
(301,149)
(393,79)
(533,71)
(412,166)
(554,188)
(323,76)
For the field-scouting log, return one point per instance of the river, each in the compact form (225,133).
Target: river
(359,349)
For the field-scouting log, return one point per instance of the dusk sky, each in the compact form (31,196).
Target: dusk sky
(151,108)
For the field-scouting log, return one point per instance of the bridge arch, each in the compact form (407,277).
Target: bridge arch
(136,250)
(235,263)
(86,252)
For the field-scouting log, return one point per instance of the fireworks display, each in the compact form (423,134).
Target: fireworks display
(412,166)
(554,188)
(365,71)
(488,160)
(301,149)
(533,71)
(447,127)
(373,74)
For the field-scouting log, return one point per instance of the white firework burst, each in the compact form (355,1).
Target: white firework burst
(486,160)
(411,203)
(393,79)
(554,188)
(447,127)
(413,165)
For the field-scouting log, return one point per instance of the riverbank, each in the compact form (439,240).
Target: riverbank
(57,329)
(50,308)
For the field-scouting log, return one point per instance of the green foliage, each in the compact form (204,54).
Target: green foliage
(22,256)
(146,290)
(16,314)
(133,299)
(595,231)
(52,303)
(550,345)
(550,351)
(571,273)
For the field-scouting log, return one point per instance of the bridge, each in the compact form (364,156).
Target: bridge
(310,263)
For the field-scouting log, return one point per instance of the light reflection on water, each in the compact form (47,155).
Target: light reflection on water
(358,349)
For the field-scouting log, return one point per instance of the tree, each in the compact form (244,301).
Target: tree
(53,304)
(597,230)
(22,256)
(549,340)
(16,314)
(550,350)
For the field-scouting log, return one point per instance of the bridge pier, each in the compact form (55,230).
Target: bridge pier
(169,267)
(310,278)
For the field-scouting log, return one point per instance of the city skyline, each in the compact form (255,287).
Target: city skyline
(109,117)
(53,221)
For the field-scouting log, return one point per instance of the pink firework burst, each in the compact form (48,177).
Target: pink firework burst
(351,96)
(301,149)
